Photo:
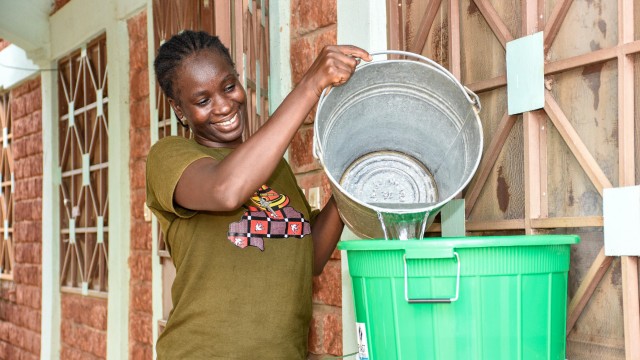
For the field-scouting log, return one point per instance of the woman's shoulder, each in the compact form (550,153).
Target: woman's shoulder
(169,141)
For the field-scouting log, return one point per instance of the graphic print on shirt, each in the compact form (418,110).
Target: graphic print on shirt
(268,216)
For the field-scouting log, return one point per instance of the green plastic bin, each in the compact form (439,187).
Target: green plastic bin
(461,298)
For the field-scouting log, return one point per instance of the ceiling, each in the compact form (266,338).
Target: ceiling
(25,23)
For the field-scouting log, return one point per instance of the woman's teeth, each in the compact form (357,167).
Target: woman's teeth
(228,122)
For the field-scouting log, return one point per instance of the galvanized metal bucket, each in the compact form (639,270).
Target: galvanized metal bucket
(399,140)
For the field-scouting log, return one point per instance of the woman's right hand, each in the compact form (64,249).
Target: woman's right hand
(333,67)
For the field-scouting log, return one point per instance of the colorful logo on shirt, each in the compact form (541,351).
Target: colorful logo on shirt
(268,216)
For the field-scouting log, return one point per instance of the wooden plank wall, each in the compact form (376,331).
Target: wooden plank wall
(545,171)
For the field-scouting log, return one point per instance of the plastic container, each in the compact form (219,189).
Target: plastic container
(461,298)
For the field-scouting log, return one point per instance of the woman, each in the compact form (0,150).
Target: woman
(240,232)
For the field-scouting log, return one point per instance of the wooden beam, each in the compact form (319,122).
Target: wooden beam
(454,39)
(555,21)
(488,160)
(495,23)
(626,167)
(580,60)
(630,307)
(493,225)
(587,287)
(562,65)
(631,47)
(530,19)
(394,8)
(532,170)
(425,26)
(579,150)
(489,84)
(567,222)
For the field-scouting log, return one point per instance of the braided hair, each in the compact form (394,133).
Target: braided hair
(179,47)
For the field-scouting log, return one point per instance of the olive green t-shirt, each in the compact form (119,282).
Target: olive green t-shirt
(230,301)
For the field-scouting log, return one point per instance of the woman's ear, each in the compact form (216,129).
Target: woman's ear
(176,109)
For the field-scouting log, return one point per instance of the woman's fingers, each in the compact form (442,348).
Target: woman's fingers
(334,66)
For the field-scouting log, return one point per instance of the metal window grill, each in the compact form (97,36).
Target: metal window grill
(84,165)
(6,189)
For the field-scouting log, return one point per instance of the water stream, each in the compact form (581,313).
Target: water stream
(403,225)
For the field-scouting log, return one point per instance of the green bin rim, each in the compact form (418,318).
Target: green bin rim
(459,242)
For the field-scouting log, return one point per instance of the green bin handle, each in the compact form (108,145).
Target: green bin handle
(429,254)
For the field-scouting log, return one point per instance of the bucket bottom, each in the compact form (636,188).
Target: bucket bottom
(389,177)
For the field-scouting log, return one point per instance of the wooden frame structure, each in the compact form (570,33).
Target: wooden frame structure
(535,16)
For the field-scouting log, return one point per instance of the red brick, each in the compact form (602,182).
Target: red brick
(84,338)
(137,27)
(141,298)
(140,142)
(28,189)
(141,236)
(137,203)
(140,264)
(26,274)
(88,311)
(27,125)
(18,107)
(332,340)
(27,231)
(23,88)
(30,296)
(140,351)
(28,166)
(5,329)
(139,113)
(327,288)
(140,85)
(303,53)
(311,15)
(315,334)
(70,353)
(28,253)
(140,327)
(28,210)
(300,151)
(33,100)
(4,44)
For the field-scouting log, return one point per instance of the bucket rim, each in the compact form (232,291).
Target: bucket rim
(458,242)
(317,152)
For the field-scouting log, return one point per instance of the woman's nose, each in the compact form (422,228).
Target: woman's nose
(222,105)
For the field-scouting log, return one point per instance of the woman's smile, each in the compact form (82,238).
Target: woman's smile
(226,123)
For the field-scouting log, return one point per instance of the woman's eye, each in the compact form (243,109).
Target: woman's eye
(203,102)
(229,88)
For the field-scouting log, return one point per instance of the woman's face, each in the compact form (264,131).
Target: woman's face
(210,97)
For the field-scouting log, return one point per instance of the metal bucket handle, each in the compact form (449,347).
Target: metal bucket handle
(470,95)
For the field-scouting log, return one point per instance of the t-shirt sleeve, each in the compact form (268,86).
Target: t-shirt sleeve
(167,160)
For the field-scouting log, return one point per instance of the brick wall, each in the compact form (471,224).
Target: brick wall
(313,25)
(140,313)
(4,44)
(83,329)
(20,299)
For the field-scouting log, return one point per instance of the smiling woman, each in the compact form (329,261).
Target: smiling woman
(240,232)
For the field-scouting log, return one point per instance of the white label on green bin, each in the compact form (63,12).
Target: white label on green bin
(363,348)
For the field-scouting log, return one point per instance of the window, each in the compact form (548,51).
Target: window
(84,165)
(6,189)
